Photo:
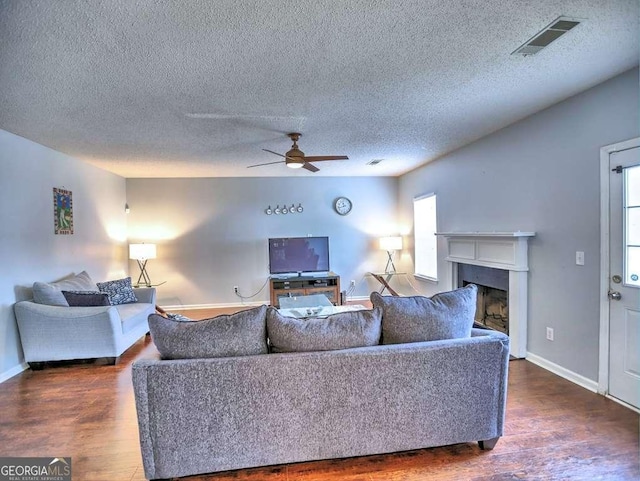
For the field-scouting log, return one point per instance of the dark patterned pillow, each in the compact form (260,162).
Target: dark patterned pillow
(86,298)
(119,291)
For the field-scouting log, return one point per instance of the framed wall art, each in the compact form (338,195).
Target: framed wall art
(62,211)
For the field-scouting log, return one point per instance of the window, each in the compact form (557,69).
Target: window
(425,241)
(632,226)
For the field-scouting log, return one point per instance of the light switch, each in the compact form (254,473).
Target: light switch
(579,258)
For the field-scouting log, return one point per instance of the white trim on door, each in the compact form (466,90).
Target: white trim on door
(603,362)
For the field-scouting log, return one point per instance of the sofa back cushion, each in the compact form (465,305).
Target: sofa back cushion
(338,331)
(241,334)
(447,315)
(50,293)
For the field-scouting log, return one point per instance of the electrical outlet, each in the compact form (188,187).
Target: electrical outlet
(550,333)
(353,283)
(579,258)
(235,289)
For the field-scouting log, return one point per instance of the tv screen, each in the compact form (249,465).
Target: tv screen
(298,254)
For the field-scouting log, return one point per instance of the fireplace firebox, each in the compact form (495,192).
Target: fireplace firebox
(492,308)
(497,262)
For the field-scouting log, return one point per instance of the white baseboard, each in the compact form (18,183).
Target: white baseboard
(14,371)
(357,298)
(563,372)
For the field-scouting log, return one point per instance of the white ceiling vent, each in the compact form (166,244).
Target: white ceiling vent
(551,32)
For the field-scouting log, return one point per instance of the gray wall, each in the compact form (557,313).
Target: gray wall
(29,250)
(540,174)
(211,233)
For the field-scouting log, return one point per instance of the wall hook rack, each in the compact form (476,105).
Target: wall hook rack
(292,209)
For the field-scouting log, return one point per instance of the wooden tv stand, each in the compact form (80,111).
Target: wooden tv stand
(328,285)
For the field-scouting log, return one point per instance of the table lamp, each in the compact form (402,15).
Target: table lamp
(142,253)
(391,244)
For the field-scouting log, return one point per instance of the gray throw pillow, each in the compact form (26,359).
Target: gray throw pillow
(119,291)
(86,298)
(338,331)
(51,293)
(447,315)
(241,334)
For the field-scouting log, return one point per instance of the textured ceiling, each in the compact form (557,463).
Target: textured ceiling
(198,88)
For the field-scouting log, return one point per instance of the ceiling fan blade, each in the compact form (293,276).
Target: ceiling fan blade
(310,167)
(268,163)
(272,152)
(319,158)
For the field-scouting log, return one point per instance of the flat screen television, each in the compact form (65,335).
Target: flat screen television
(298,254)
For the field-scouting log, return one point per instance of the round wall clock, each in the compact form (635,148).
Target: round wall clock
(342,205)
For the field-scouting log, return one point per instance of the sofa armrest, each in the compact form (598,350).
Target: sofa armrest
(146,294)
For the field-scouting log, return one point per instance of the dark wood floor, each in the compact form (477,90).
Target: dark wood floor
(555,430)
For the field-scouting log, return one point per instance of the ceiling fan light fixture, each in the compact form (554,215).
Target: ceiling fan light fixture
(295,164)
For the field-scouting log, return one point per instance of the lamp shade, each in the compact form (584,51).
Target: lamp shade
(391,243)
(142,251)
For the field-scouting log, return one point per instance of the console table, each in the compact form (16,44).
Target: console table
(384,279)
(328,285)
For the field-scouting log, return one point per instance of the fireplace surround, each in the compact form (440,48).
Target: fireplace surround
(504,251)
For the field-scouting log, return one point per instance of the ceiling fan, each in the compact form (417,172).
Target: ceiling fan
(296,159)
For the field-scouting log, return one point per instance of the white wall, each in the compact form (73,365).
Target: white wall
(29,250)
(211,234)
(540,174)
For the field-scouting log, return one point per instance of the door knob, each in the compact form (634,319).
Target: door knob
(614,295)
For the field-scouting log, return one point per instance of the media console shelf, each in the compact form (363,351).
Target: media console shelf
(328,285)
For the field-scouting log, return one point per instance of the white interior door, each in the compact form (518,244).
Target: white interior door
(624,275)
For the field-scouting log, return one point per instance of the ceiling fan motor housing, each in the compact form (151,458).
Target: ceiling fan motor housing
(295,157)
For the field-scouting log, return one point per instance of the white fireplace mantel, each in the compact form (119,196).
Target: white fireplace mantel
(498,250)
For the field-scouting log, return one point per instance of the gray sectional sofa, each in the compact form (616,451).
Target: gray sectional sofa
(210,413)
(52,331)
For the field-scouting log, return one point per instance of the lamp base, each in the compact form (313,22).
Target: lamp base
(390,267)
(144,276)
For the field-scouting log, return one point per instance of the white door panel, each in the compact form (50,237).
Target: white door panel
(624,275)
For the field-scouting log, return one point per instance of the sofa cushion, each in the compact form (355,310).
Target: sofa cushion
(119,291)
(241,334)
(338,331)
(447,315)
(51,293)
(86,298)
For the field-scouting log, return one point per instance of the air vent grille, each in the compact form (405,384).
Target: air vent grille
(374,161)
(551,32)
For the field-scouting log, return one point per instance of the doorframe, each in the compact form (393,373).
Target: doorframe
(603,363)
